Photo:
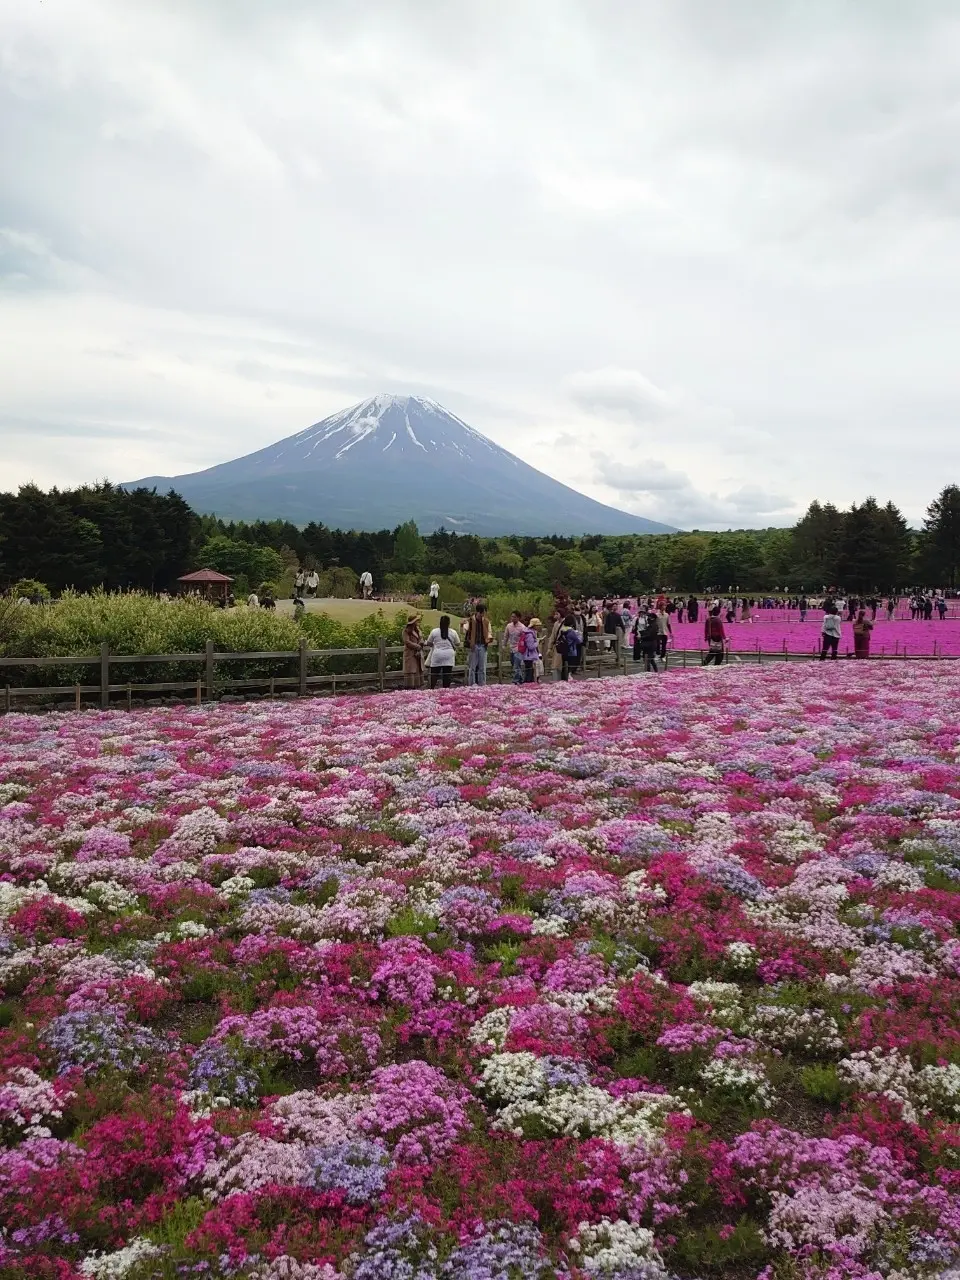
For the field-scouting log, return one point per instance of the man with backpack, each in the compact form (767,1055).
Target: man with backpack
(569,646)
(715,637)
(477,636)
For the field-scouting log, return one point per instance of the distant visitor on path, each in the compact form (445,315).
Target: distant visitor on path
(442,644)
(477,637)
(649,640)
(830,633)
(313,582)
(861,635)
(253,600)
(434,595)
(413,653)
(366,584)
(299,583)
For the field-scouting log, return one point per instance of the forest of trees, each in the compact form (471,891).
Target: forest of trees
(103,536)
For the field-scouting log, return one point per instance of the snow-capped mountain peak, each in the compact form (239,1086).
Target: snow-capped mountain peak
(384,422)
(395,458)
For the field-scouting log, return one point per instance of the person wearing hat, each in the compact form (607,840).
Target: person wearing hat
(413,653)
(529,649)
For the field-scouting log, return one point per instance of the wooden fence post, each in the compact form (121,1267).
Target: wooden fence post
(76,698)
(381,660)
(199,692)
(6,700)
(129,696)
(209,670)
(303,668)
(104,674)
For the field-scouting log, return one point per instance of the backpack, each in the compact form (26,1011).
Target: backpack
(528,645)
(569,643)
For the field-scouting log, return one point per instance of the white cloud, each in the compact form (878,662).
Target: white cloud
(723,236)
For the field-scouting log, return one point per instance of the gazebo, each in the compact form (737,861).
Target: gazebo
(210,584)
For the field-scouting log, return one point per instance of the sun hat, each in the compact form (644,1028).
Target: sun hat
(413,617)
(535,622)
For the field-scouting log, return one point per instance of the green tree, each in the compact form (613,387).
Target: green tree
(409,549)
(941,536)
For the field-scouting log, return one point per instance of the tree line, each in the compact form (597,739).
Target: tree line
(103,536)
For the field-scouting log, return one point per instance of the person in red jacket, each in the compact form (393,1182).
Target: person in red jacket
(715,637)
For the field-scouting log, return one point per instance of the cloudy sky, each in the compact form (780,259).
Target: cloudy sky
(698,258)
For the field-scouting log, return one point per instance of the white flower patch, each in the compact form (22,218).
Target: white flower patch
(114,1266)
(490,1031)
(236,887)
(809,1030)
(725,997)
(607,1248)
(549,927)
(882,1075)
(742,956)
(742,1076)
(110,896)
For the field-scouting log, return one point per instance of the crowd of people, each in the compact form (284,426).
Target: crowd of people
(538,651)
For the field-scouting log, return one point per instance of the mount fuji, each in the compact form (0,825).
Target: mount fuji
(392,459)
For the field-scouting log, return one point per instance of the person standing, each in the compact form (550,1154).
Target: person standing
(442,643)
(941,606)
(413,653)
(612,627)
(253,600)
(715,636)
(366,584)
(529,649)
(891,608)
(477,639)
(861,635)
(313,582)
(511,642)
(830,633)
(648,640)
(804,605)
(664,632)
(434,595)
(693,609)
(569,645)
(299,582)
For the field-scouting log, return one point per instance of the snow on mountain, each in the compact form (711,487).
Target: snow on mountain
(391,459)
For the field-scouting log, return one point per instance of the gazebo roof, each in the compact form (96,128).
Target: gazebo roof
(205,575)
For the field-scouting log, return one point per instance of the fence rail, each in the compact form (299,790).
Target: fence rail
(210,683)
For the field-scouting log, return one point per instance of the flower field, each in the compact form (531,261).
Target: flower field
(623,980)
(927,639)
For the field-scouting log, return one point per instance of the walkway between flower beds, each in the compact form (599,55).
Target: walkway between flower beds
(214,684)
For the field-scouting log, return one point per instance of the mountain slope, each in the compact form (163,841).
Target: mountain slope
(391,459)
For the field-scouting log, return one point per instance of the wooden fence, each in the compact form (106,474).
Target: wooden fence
(211,683)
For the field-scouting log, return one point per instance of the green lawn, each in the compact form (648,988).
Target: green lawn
(352,611)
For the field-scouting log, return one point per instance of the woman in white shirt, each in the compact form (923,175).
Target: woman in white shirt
(441,645)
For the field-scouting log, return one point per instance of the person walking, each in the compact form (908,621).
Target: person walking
(313,582)
(299,582)
(693,609)
(715,637)
(413,653)
(511,642)
(861,635)
(830,633)
(649,640)
(434,595)
(366,584)
(253,600)
(941,606)
(477,638)
(442,644)
(891,608)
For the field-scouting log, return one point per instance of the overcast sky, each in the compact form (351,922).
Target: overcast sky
(698,258)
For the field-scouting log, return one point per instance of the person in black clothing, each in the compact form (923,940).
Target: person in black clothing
(693,609)
(649,639)
(613,625)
